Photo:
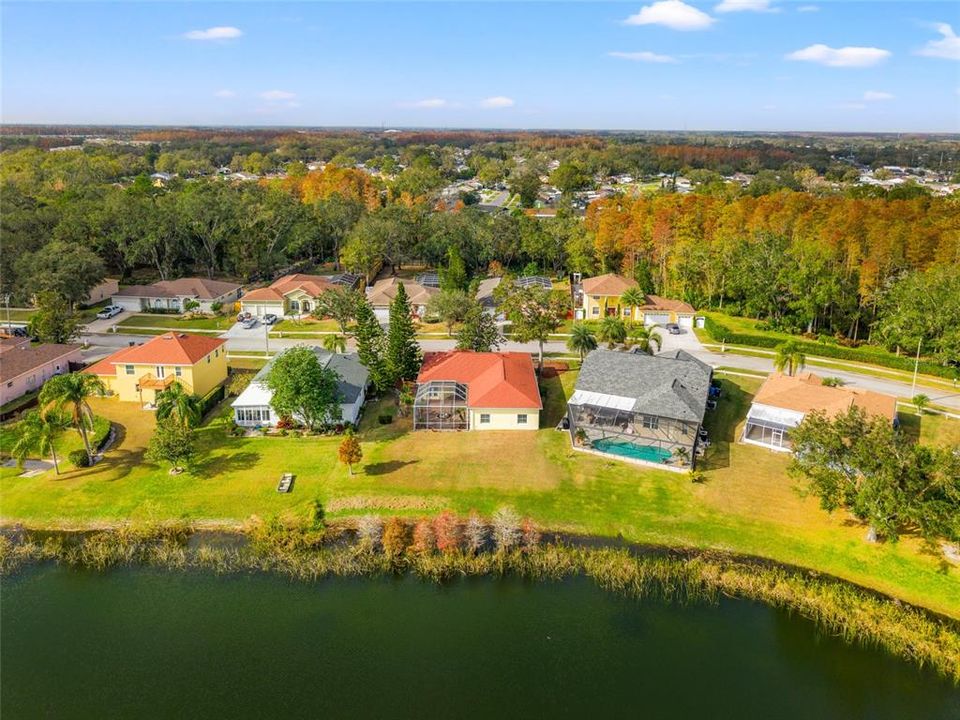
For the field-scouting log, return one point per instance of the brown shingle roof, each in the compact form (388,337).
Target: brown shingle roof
(805,392)
(22,359)
(312,285)
(609,284)
(201,288)
(383,292)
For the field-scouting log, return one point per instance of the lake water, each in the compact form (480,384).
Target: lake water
(151,644)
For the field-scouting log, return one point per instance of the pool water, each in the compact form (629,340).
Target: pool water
(629,450)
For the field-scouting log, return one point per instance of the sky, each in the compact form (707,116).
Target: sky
(656,65)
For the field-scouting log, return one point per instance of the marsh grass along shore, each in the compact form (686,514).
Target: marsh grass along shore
(312,553)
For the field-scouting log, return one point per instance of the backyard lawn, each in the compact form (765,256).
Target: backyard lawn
(748,503)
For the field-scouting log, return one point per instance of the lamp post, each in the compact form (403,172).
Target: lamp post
(916,367)
(6,303)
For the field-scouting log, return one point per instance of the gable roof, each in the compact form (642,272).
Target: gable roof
(494,380)
(609,284)
(354,378)
(384,291)
(673,385)
(312,285)
(167,349)
(805,392)
(656,302)
(183,287)
(19,359)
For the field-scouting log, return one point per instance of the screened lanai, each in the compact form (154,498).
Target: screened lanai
(441,405)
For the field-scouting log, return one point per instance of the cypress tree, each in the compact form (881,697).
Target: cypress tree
(479,332)
(371,344)
(403,353)
(455,276)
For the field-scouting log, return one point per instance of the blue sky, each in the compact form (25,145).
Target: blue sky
(667,64)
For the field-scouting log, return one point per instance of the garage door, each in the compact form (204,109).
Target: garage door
(686,322)
(656,318)
(383,314)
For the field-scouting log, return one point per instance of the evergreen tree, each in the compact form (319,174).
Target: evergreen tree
(479,332)
(403,353)
(455,276)
(371,345)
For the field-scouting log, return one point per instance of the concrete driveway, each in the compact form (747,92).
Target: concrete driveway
(95,327)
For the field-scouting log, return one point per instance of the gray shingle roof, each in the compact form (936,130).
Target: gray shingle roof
(353,376)
(673,385)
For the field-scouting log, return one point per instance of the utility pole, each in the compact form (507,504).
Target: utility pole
(266,338)
(6,302)
(916,368)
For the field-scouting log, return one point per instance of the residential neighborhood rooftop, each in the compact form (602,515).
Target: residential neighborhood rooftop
(494,380)
(167,349)
(805,393)
(384,291)
(202,288)
(15,360)
(313,285)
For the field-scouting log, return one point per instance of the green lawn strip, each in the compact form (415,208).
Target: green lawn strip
(17,315)
(307,325)
(67,442)
(175,322)
(748,504)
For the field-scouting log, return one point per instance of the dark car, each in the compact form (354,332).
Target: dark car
(672,328)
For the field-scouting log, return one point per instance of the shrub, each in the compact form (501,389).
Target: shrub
(834,382)
(369,531)
(446,529)
(384,419)
(396,537)
(216,307)
(530,533)
(475,533)
(506,528)
(79,458)
(424,540)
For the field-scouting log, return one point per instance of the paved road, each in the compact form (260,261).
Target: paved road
(254,341)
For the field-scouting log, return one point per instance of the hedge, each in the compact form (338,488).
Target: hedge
(721,333)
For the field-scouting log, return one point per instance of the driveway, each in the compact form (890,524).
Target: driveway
(95,327)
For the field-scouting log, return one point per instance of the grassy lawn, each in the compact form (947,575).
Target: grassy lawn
(66,443)
(17,315)
(748,503)
(306,325)
(176,322)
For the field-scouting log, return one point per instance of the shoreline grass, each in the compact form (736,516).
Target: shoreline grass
(856,614)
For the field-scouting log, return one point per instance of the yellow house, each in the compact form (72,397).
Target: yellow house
(139,372)
(602,296)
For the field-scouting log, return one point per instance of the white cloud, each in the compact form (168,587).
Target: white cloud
(808,8)
(840,57)
(225,93)
(729,6)
(673,14)
(877,95)
(498,101)
(215,33)
(947,47)
(643,56)
(278,95)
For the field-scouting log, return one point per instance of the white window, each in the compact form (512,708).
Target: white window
(128,369)
(594,310)
(178,371)
(626,312)
(159,371)
(651,422)
(522,419)
(484,418)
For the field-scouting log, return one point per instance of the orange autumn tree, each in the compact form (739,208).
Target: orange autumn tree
(349,183)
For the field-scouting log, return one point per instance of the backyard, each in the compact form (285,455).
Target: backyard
(747,504)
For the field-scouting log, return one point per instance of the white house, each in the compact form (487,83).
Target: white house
(253,409)
(173,295)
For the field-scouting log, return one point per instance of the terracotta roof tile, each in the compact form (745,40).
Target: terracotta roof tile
(494,380)
(609,284)
(167,349)
(805,392)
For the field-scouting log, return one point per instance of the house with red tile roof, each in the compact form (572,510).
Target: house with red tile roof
(293,295)
(139,372)
(462,390)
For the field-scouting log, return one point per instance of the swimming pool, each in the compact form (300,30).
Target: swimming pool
(627,449)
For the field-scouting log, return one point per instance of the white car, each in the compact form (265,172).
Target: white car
(109,312)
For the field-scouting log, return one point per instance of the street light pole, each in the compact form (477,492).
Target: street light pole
(916,367)
(6,302)
(266,338)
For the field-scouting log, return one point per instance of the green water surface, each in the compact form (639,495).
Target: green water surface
(150,644)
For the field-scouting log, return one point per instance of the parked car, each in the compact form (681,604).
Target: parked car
(243,316)
(249,323)
(702,433)
(269,319)
(711,404)
(109,311)
(672,328)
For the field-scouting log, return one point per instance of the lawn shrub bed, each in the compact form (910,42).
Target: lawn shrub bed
(720,333)
(309,552)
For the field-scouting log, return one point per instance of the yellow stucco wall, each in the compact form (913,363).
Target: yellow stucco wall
(603,302)
(505,420)
(199,378)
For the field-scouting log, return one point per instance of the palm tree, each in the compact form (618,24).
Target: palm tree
(175,402)
(645,337)
(582,340)
(70,393)
(921,401)
(37,433)
(335,343)
(612,331)
(633,298)
(789,356)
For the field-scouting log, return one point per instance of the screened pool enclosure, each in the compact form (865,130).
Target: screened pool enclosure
(441,405)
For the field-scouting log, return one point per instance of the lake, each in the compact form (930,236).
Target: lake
(151,644)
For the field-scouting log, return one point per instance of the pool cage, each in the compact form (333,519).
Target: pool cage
(534,281)
(441,405)
(429,279)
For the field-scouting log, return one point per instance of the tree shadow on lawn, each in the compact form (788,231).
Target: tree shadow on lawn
(211,467)
(554,400)
(910,425)
(385,468)
(721,425)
